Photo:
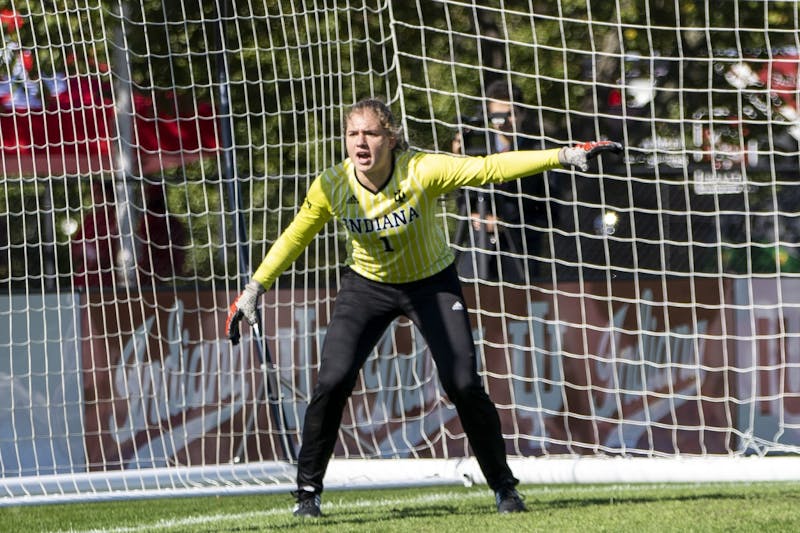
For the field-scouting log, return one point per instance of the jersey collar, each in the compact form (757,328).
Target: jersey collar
(384,184)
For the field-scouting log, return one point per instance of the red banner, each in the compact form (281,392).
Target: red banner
(162,384)
(768,356)
(639,370)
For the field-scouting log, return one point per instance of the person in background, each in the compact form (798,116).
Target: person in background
(162,237)
(502,215)
(399,262)
(97,243)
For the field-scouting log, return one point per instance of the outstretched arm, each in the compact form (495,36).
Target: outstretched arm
(446,172)
(294,239)
(291,243)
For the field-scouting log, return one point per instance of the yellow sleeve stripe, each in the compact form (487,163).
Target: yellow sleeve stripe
(447,172)
(313,215)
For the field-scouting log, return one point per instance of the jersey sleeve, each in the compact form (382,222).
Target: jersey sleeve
(313,215)
(444,172)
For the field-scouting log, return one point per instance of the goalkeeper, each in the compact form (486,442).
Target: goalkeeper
(399,263)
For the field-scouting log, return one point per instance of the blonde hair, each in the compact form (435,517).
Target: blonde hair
(385,117)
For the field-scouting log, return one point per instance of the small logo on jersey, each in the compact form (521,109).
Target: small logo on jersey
(352,199)
(399,197)
(458,306)
(308,203)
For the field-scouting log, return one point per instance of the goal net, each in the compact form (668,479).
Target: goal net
(634,321)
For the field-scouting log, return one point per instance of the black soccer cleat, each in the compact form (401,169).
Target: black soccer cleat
(308,504)
(509,501)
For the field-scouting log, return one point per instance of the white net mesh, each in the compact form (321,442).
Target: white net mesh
(151,153)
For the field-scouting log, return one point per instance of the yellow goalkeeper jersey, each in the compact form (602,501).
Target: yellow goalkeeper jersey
(393,235)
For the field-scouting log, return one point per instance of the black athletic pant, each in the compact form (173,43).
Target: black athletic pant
(362,312)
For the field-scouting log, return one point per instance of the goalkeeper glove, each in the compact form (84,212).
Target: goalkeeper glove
(243,307)
(580,155)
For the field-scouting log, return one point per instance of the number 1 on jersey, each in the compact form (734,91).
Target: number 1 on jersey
(387,246)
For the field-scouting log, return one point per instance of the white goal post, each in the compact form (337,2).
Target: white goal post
(637,321)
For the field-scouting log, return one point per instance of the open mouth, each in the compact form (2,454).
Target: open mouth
(363,158)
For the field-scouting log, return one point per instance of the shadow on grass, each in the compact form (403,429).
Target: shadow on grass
(573,502)
(331,521)
(359,517)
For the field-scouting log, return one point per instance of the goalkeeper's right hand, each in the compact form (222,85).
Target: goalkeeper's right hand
(243,307)
(579,155)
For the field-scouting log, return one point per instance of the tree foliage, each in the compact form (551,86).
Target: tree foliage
(291,70)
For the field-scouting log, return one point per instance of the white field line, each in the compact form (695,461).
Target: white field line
(220,518)
(205,520)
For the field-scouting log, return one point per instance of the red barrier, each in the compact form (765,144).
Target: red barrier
(628,372)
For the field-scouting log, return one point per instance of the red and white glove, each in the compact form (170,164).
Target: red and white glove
(580,154)
(243,307)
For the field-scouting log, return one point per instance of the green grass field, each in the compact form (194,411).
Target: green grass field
(647,507)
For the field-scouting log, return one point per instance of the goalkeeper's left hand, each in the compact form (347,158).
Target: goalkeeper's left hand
(243,307)
(580,155)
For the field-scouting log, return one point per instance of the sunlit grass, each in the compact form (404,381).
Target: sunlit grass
(641,507)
